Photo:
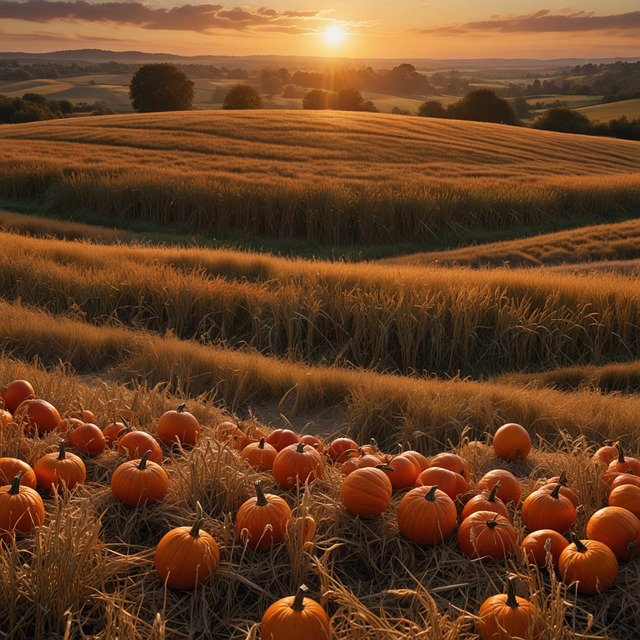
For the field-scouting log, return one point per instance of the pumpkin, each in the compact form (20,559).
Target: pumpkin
(507,616)
(625,478)
(14,393)
(626,496)
(38,416)
(87,438)
(114,431)
(452,483)
(510,488)
(11,467)
(84,415)
(263,521)
(259,455)
(351,463)
(187,556)
(134,444)
(511,442)
(427,515)
(624,464)
(565,490)
(281,438)
(486,535)
(548,510)
(297,464)
(605,454)
(404,472)
(178,426)
(589,564)
(316,443)
(230,433)
(422,462)
(542,544)
(138,482)
(485,501)
(295,618)
(61,469)
(367,460)
(618,528)
(5,418)
(366,492)
(339,446)
(453,462)
(21,508)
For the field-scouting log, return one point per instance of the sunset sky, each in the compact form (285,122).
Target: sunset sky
(346,28)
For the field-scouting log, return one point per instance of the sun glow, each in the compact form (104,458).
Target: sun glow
(335,34)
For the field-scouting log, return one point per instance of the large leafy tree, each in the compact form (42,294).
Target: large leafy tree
(242,96)
(484,105)
(160,87)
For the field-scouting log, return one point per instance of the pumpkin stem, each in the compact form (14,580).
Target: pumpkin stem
(494,492)
(563,479)
(492,523)
(262,499)
(384,467)
(181,407)
(556,491)
(580,546)
(61,453)
(300,447)
(261,443)
(620,453)
(15,485)
(143,460)
(125,422)
(195,530)
(298,601)
(431,495)
(511,600)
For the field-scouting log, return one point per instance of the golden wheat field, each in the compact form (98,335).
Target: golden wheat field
(429,353)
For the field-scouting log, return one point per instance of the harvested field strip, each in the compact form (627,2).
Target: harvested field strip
(389,408)
(400,320)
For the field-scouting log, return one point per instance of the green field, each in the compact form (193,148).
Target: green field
(629,109)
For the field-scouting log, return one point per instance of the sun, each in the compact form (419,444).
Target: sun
(335,34)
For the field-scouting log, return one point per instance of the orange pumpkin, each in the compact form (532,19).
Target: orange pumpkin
(263,521)
(134,444)
(510,487)
(404,472)
(114,431)
(427,515)
(542,544)
(508,616)
(21,509)
(38,416)
(316,443)
(87,438)
(548,510)
(605,454)
(618,528)
(511,442)
(453,462)
(485,501)
(5,418)
(337,449)
(15,392)
(626,496)
(187,556)
(452,483)
(486,535)
(366,492)
(281,438)
(422,462)
(139,482)
(295,617)
(11,467)
(230,433)
(178,426)
(259,455)
(589,564)
(62,469)
(297,465)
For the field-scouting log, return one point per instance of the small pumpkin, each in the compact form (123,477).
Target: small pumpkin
(605,454)
(366,492)
(589,564)
(295,617)
(316,443)
(21,508)
(539,545)
(281,438)
(548,510)
(187,556)
(87,438)
(624,464)
(138,482)
(61,469)
(114,431)
(510,487)
(11,467)
(421,461)
(263,521)
(38,416)
(453,462)
(231,434)
(511,442)
(14,393)
(178,426)
(427,515)
(508,616)
(618,528)
(338,447)
(486,501)
(486,535)
(625,478)
(405,472)
(297,465)
(259,455)
(452,483)
(134,443)
(626,496)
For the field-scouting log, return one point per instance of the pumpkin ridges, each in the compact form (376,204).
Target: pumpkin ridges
(590,564)
(21,508)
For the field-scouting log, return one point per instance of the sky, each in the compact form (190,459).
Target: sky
(441,29)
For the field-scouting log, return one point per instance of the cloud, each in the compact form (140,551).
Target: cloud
(201,18)
(544,21)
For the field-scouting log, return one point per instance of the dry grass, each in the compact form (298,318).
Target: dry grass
(88,572)
(335,178)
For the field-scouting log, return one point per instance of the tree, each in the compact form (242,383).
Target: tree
(564,120)
(242,96)
(432,109)
(316,99)
(160,87)
(349,100)
(483,105)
